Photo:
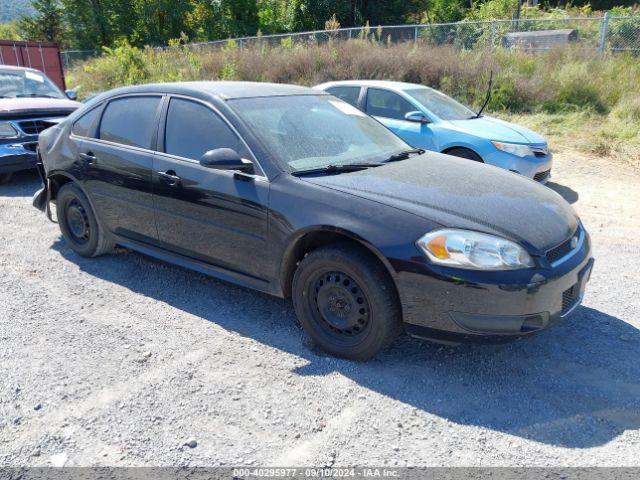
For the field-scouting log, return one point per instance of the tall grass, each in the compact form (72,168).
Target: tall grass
(559,82)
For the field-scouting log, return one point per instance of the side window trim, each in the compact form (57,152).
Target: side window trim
(156,118)
(163,129)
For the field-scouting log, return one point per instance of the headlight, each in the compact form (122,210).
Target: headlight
(514,148)
(7,130)
(473,250)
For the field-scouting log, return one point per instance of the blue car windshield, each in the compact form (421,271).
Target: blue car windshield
(446,108)
(309,131)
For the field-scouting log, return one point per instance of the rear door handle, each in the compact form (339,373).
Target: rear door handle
(169,177)
(88,157)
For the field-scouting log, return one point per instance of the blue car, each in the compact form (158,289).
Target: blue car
(429,119)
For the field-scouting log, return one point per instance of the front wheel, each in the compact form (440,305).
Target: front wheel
(78,223)
(346,301)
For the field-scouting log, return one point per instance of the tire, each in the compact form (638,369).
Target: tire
(5,178)
(346,301)
(78,223)
(464,153)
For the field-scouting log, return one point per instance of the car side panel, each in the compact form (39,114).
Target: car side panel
(215,216)
(298,207)
(119,183)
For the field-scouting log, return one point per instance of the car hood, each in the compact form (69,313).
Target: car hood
(20,107)
(494,129)
(459,193)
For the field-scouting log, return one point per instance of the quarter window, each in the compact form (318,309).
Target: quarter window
(130,121)
(383,103)
(83,125)
(193,129)
(348,94)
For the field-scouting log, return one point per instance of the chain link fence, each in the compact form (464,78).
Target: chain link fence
(601,34)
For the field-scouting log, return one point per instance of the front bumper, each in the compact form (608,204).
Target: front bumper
(472,306)
(536,168)
(18,156)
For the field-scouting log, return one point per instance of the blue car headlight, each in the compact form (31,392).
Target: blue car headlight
(516,149)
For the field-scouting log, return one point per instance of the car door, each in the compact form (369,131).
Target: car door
(390,108)
(216,216)
(117,165)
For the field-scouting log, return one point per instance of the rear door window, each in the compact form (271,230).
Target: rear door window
(348,94)
(383,103)
(130,121)
(193,129)
(84,126)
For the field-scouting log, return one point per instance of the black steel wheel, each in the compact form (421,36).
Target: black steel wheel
(346,301)
(341,304)
(78,223)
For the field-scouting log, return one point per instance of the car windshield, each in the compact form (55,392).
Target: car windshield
(446,108)
(25,83)
(309,132)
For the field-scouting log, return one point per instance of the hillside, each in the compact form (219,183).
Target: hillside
(14,9)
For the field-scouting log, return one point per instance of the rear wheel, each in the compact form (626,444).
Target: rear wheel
(464,153)
(78,223)
(346,301)
(5,178)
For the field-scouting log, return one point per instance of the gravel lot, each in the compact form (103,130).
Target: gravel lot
(122,360)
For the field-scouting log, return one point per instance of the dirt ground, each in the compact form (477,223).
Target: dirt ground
(121,360)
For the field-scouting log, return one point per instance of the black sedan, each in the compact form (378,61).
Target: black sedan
(298,194)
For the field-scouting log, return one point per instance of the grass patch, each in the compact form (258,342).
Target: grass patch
(586,132)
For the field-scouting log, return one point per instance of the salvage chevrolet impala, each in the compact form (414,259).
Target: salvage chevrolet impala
(296,193)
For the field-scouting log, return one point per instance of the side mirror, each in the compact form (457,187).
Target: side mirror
(416,116)
(225,159)
(71,94)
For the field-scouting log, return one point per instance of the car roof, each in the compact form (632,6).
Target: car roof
(225,90)
(372,83)
(15,68)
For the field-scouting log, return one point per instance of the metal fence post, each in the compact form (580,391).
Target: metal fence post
(493,33)
(603,32)
(415,35)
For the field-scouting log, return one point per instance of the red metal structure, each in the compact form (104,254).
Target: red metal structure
(43,56)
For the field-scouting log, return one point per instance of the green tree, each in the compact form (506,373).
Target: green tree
(47,24)
(10,31)
(443,11)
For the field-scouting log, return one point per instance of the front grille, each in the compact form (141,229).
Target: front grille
(565,248)
(33,127)
(569,299)
(541,176)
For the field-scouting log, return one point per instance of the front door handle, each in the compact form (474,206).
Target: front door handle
(88,157)
(169,177)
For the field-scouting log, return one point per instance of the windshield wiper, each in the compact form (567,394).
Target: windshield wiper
(338,168)
(404,155)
